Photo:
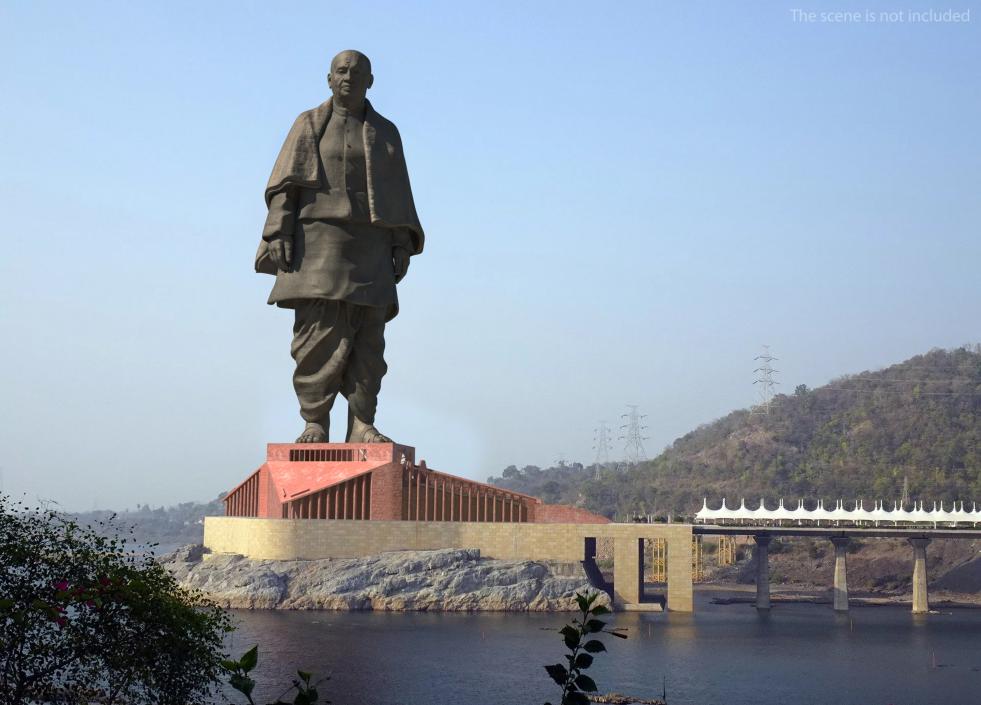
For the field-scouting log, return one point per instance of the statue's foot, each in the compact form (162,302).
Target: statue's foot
(313,433)
(362,432)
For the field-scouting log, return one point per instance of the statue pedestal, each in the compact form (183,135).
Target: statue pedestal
(326,481)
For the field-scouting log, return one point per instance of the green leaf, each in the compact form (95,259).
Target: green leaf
(571,636)
(304,676)
(558,673)
(616,633)
(231,666)
(586,683)
(583,661)
(249,659)
(594,647)
(582,602)
(575,699)
(305,697)
(599,610)
(6,605)
(242,683)
(594,625)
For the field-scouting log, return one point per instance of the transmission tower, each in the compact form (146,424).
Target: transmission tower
(764,378)
(904,500)
(601,443)
(633,438)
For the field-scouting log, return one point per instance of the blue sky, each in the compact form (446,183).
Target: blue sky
(623,202)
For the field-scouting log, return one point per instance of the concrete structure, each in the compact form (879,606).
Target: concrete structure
(379,482)
(918,538)
(342,500)
(286,539)
(840,589)
(762,572)
(921,603)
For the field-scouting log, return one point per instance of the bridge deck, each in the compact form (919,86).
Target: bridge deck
(833,531)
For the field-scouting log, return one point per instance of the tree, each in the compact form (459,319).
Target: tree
(83,618)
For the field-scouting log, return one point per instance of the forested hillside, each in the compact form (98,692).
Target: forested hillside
(858,437)
(168,527)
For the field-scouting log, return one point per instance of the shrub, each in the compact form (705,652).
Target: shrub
(570,677)
(85,619)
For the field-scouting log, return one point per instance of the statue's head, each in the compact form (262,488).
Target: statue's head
(350,77)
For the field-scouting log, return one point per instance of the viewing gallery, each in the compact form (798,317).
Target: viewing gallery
(380,482)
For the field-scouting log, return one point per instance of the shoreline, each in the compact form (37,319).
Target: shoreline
(810,594)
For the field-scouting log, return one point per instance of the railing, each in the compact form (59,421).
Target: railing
(858,515)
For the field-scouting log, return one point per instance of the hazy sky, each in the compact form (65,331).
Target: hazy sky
(622,201)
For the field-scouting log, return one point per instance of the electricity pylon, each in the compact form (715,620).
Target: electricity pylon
(633,429)
(764,378)
(601,443)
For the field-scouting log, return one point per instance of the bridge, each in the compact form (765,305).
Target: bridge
(840,537)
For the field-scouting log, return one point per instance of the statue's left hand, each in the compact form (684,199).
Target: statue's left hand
(400,259)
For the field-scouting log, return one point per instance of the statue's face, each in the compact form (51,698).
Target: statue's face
(350,77)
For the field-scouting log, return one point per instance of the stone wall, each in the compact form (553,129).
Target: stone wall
(289,539)
(566,514)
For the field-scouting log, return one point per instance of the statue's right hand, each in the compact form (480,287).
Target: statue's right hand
(281,252)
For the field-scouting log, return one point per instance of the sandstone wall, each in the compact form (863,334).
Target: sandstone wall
(312,539)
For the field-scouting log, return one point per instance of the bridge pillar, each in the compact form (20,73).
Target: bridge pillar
(921,603)
(679,573)
(628,566)
(840,590)
(762,572)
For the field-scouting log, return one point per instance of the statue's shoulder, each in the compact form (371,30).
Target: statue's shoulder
(382,124)
(314,117)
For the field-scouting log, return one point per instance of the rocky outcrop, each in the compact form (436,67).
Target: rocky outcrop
(456,580)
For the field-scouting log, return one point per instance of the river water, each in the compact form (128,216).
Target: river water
(721,655)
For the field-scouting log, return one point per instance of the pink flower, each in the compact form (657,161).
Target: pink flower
(61,585)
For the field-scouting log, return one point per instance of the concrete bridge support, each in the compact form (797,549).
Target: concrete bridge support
(921,603)
(628,571)
(628,567)
(762,572)
(840,589)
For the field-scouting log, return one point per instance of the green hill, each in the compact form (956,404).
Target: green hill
(859,437)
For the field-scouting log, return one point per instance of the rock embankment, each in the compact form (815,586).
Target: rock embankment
(452,580)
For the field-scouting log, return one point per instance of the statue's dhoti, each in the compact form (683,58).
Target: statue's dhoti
(338,347)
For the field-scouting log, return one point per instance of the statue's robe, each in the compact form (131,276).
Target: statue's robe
(340,190)
(305,188)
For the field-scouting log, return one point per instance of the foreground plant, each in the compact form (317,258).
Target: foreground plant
(84,618)
(577,636)
(240,680)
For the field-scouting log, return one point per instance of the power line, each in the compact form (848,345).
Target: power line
(764,378)
(633,437)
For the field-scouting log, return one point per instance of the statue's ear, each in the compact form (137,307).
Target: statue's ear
(371,80)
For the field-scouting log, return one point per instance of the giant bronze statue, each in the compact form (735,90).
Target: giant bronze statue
(338,237)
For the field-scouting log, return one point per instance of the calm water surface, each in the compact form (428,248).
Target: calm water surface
(729,655)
